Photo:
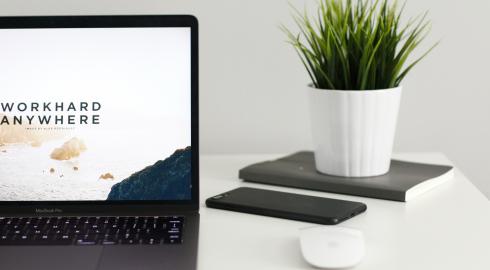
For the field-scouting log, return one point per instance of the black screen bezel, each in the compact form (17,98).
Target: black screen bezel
(117,207)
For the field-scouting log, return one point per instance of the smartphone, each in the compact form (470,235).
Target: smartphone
(286,205)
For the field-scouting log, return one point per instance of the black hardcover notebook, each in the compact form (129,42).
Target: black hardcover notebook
(403,182)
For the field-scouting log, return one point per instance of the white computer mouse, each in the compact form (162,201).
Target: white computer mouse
(332,246)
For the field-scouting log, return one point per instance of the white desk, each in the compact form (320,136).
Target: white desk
(445,228)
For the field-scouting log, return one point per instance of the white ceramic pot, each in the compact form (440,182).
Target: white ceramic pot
(353,131)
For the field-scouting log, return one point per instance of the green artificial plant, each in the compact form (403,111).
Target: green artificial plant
(357,45)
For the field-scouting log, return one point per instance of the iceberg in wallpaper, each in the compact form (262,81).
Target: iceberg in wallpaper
(168,179)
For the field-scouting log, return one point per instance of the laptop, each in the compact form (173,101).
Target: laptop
(99,142)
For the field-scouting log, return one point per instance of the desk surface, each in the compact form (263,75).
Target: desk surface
(445,228)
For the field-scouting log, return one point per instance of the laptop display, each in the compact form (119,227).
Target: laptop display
(95,114)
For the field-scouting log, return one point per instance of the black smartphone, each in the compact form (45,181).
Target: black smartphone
(286,205)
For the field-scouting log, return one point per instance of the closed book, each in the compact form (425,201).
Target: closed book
(404,181)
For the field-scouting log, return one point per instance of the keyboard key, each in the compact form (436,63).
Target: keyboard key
(85,242)
(151,241)
(129,241)
(109,240)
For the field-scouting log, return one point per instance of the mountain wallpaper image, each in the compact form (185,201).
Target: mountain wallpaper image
(36,166)
(168,179)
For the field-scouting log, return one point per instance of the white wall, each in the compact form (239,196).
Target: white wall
(252,83)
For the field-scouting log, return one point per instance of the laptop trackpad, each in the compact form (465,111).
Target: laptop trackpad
(50,257)
(142,257)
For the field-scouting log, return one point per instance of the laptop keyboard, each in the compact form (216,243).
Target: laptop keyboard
(91,230)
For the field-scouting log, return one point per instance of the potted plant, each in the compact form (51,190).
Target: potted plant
(356,55)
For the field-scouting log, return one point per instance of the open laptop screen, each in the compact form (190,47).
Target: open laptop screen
(95,114)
